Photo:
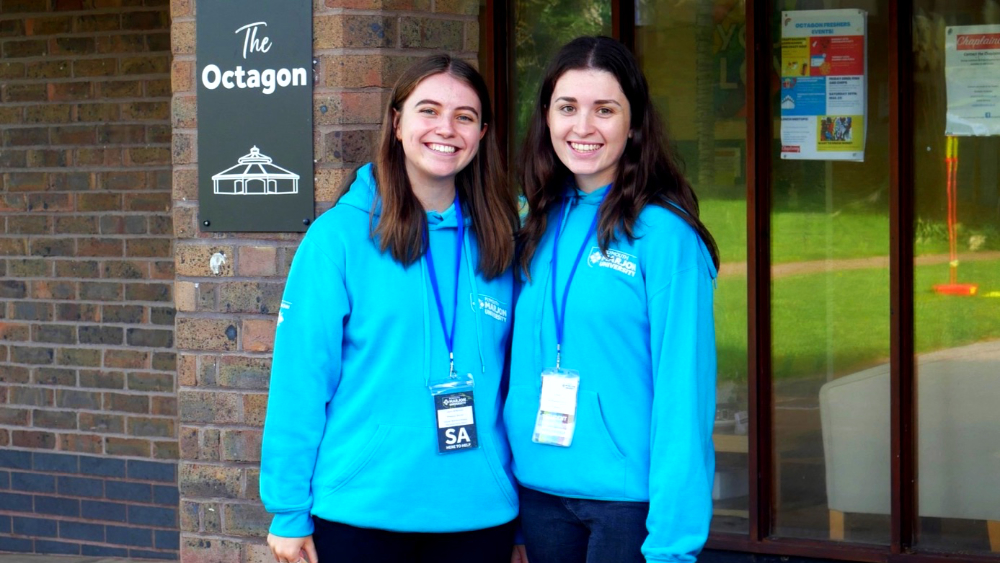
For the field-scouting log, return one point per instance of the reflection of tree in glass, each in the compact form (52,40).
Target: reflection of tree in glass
(540,28)
(705,80)
(977,191)
(930,102)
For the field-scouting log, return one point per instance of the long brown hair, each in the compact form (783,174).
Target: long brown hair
(648,171)
(482,185)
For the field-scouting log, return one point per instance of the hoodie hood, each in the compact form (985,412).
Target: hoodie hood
(574,195)
(593,198)
(363,193)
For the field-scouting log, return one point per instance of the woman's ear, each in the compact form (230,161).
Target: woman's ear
(395,124)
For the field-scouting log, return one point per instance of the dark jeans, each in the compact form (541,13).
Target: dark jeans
(340,543)
(571,530)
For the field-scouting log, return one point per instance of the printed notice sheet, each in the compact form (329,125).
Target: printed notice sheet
(972,75)
(824,89)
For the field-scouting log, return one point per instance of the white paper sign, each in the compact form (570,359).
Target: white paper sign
(972,74)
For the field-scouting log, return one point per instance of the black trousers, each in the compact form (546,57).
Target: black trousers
(572,530)
(340,543)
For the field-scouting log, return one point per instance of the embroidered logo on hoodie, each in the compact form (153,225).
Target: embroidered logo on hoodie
(615,260)
(285,306)
(493,308)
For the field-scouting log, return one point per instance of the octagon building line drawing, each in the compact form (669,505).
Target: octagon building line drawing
(255,174)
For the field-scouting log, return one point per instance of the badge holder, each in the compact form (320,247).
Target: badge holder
(454,409)
(556,419)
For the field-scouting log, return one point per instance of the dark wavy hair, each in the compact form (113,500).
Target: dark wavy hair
(648,171)
(482,185)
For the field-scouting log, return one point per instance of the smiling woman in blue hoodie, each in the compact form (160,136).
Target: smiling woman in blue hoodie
(612,386)
(383,439)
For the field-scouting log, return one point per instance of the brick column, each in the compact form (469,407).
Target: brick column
(226,317)
(88,408)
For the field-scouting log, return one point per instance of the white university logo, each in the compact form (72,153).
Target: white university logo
(491,307)
(285,306)
(615,260)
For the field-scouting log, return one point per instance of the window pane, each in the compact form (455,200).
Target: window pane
(957,242)
(830,294)
(693,55)
(484,58)
(541,27)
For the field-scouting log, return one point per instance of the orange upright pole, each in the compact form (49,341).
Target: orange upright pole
(952,160)
(951,189)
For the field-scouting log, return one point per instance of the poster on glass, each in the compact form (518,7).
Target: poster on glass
(972,77)
(824,87)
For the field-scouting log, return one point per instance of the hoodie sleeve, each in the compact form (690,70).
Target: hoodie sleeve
(682,457)
(305,371)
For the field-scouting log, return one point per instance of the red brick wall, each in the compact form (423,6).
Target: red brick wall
(86,239)
(225,320)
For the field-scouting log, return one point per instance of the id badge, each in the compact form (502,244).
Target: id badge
(556,419)
(455,414)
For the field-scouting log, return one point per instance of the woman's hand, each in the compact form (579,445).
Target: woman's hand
(519,555)
(293,550)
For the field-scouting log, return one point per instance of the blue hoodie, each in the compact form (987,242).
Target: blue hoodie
(350,433)
(640,331)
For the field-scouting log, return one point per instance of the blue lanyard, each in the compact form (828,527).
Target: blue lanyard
(560,310)
(449,332)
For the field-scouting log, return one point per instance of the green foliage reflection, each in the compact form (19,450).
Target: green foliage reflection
(540,28)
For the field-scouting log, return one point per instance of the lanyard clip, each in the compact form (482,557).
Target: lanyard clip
(451,369)
(558,355)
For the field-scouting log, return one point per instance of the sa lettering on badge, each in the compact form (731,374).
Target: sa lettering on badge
(456,422)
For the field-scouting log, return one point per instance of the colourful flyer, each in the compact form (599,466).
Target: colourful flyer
(824,88)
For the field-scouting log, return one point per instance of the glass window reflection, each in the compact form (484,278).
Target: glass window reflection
(694,56)
(830,306)
(956,286)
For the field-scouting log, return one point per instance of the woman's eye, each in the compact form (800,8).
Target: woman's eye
(426,111)
(567,109)
(466,119)
(605,111)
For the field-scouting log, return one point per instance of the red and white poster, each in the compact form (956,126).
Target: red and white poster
(972,74)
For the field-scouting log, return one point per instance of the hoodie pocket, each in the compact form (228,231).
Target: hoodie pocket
(359,462)
(592,467)
(593,402)
(498,458)
(400,470)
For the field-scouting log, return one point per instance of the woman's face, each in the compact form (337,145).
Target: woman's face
(588,121)
(440,126)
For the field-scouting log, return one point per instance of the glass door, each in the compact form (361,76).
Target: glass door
(694,56)
(956,293)
(830,272)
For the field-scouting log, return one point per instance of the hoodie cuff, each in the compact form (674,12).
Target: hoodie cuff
(292,524)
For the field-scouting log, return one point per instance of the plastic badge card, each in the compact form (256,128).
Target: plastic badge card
(557,409)
(454,409)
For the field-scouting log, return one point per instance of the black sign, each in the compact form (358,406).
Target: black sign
(255,132)
(456,422)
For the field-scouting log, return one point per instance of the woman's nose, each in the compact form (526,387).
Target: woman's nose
(445,128)
(582,125)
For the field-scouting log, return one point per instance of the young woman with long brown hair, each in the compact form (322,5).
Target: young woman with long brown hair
(383,439)
(612,385)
